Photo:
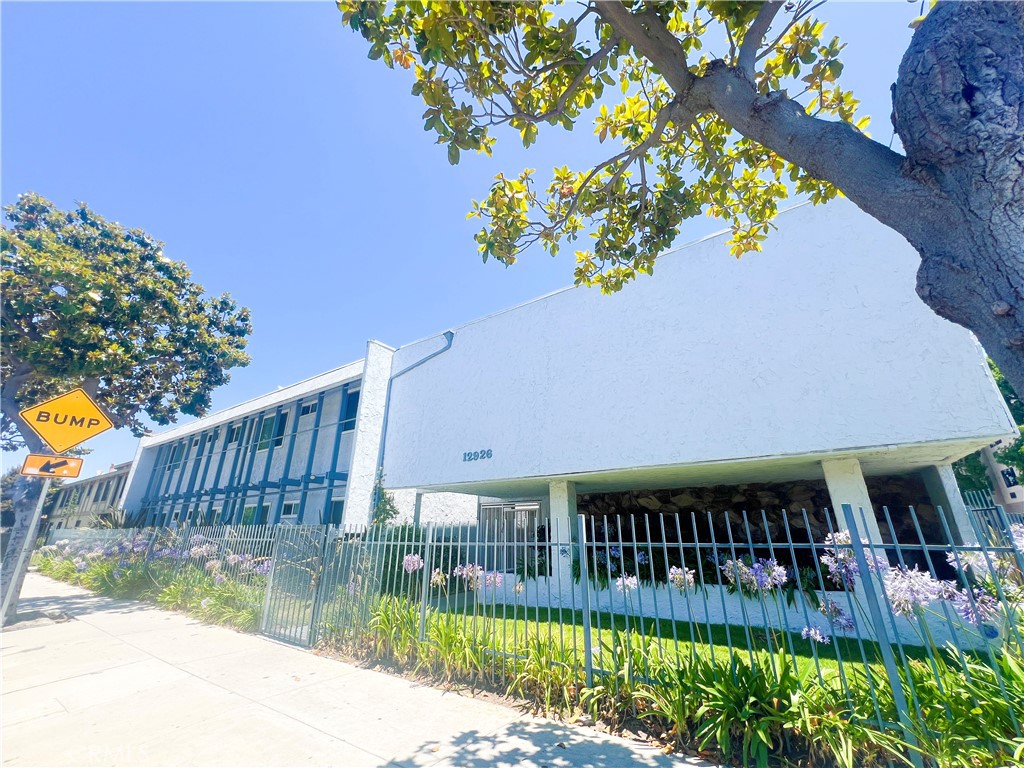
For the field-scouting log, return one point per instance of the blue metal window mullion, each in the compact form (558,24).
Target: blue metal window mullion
(310,457)
(250,462)
(186,454)
(332,467)
(286,470)
(234,480)
(212,442)
(216,476)
(266,465)
(194,474)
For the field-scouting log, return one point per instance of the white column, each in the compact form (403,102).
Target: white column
(561,525)
(417,509)
(943,491)
(846,485)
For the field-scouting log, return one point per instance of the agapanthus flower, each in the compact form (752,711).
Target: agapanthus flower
(219,578)
(841,561)
(563,551)
(831,610)
(681,578)
(976,562)
(205,602)
(493,579)
(438,578)
(233,559)
(614,552)
(911,589)
(213,565)
(81,565)
(471,574)
(519,588)
(763,576)
(263,568)
(641,558)
(412,563)
(981,610)
(203,551)
(626,583)
(815,635)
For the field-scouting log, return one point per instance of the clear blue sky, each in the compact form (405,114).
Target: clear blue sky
(258,142)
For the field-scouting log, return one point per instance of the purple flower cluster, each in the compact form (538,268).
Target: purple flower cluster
(815,635)
(909,590)
(471,574)
(626,583)
(763,575)
(841,562)
(681,578)
(976,607)
(412,563)
(834,612)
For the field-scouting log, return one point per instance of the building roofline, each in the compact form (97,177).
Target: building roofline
(315,383)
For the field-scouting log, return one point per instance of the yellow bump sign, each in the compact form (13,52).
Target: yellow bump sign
(67,421)
(40,465)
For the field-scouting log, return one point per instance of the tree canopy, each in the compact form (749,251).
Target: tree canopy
(88,302)
(730,108)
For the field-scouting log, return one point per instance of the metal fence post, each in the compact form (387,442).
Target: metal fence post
(270,581)
(581,553)
(318,592)
(881,635)
(425,585)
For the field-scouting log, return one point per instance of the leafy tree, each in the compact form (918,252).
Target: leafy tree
(971,471)
(90,303)
(729,108)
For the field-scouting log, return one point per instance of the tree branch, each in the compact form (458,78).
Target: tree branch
(754,36)
(649,35)
(867,172)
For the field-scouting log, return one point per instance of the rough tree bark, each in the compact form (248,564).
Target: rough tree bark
(957,195)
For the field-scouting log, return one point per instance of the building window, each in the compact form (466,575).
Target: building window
(248,515)
(272,430)
(78,523)
(307,409)
(175,456)
(337,511)
(290,509)
(234,433)
(351,409)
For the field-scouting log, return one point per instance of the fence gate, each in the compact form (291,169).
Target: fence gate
(289,607)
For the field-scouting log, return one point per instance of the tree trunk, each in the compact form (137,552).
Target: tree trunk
(25,494)
(958,107)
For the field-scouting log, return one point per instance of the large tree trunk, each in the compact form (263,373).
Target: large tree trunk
(957,195)
(958,107)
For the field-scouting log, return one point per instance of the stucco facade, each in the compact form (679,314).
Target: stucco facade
(88,500)
(813,360)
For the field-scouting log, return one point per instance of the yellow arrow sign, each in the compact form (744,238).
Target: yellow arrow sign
(67,421)
(40,465)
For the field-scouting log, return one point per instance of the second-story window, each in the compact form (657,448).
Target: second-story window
(272,431)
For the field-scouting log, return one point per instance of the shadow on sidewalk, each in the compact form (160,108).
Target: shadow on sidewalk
(547,745)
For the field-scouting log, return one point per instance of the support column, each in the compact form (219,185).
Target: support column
(846,485)
(561,532)
(943,491)
(417,509)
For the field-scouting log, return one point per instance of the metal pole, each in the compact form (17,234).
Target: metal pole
(581,553)
(425,585)
(26,547)
(875,614)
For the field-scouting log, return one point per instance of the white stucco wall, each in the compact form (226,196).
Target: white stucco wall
(437,508)
(369,426)
(817,344)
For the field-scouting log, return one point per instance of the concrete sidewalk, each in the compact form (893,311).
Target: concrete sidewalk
(126,684)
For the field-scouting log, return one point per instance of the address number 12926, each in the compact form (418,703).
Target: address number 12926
(477,455)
